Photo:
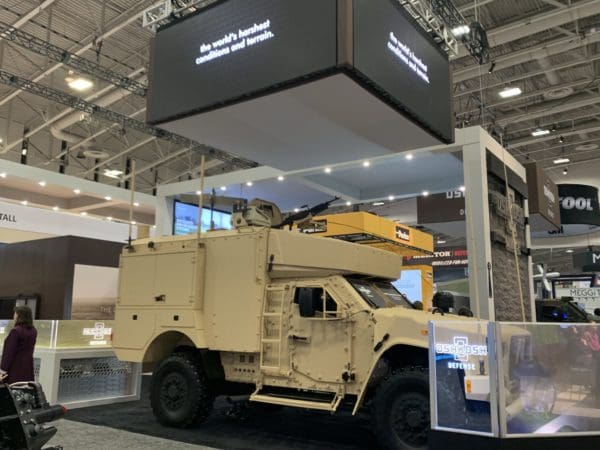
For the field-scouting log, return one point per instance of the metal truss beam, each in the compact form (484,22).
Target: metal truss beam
(41,47)
(115,117)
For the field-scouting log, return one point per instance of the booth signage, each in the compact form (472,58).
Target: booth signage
(11,218)
(579,204)
(461,350)
(402,233)
(448,257)
(544,210)
(587,262)
(438,208)
(588,297)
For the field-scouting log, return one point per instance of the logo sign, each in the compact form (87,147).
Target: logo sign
(402,233)
(11,218)
(99,333)
(439,208)
(461,350)
(587,262)
(589,298)
(579,204)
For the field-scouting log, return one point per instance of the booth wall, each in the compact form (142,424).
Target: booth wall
(46,267)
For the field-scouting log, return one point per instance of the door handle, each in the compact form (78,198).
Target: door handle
(304,339)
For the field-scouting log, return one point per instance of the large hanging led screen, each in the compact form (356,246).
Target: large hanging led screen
(238,48)
(393,53)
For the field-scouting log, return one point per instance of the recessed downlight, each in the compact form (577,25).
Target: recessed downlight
(3,175)
(24,202)
(42,183)
(83,213)
(55,208)
(136,204)
(77,191)
(249,183)
(280,178)
(425,193)
(108,198)
(366,164)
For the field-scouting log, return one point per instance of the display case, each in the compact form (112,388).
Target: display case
(75,363)
(515,380)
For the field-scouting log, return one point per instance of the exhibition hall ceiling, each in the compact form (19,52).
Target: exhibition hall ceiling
(549,49)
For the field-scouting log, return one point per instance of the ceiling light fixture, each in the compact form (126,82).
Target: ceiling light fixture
(391,198)
(108,198)
(133,222)
(348,203)
(566,171)
(441,242)
(562,160)
(83,213)
(461,30)
(409,157)
(3,175)
(296,210)
(540,132)
(570,251)
(113,173)
(77,191)
(462,189)
(109,218)
(198,193)
(136,204)
(509,92)
(367,164)
(79,84)
(561,139)
(425,193)
(42,183)
(249,184)
(280,178)
(327,170)
(378,204)
(24,202)
(223,188)
(55,208)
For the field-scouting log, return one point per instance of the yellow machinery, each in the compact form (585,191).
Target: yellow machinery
(369,229)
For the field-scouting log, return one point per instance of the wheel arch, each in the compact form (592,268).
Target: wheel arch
(396,355)
(163,345)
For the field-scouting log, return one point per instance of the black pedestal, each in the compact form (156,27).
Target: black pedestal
(443,440)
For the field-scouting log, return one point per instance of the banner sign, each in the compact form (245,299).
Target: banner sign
(544,211)
(587,262)
(439,208)
(447,257)
(579,204)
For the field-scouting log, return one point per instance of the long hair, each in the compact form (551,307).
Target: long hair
(24,316)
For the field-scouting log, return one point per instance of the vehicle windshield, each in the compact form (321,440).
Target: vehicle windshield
(380,294)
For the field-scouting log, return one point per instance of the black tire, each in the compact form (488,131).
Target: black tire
(400,410)
(179,395)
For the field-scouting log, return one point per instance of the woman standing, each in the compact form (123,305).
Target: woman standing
(17,355)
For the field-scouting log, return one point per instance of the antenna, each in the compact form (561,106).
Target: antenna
(131,200)
(200,197)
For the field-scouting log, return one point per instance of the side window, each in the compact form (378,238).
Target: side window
(315,302)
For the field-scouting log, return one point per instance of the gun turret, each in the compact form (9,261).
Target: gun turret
(307,213)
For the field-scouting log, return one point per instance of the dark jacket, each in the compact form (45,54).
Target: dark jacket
(17,355)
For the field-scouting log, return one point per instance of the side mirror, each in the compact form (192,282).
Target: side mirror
(597,312)
(306,303)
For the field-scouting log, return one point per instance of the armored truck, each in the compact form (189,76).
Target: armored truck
(283,317)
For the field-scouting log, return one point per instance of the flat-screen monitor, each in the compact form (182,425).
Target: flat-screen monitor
(410,284)
(185,218)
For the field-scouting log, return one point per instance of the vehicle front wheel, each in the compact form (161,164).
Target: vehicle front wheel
(401,410)
(179,395)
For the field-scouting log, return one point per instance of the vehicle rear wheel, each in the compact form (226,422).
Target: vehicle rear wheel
(401,410)
(179,395)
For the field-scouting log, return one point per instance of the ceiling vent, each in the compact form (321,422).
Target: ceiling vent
(558,93)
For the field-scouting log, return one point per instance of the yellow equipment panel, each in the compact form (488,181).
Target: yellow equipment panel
(372,230)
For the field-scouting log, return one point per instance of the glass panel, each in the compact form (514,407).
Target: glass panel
(44,330)
(84,333)
(551,378)
(463,386)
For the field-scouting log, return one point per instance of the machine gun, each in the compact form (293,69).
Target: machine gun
(24,411)
(307,214)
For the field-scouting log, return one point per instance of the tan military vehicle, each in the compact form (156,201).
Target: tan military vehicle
(284,317)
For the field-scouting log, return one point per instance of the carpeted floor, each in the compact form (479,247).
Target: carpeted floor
(281,429)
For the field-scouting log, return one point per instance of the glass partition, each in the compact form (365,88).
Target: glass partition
(515,379)
(462,381)
(551,378)
(66,333)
